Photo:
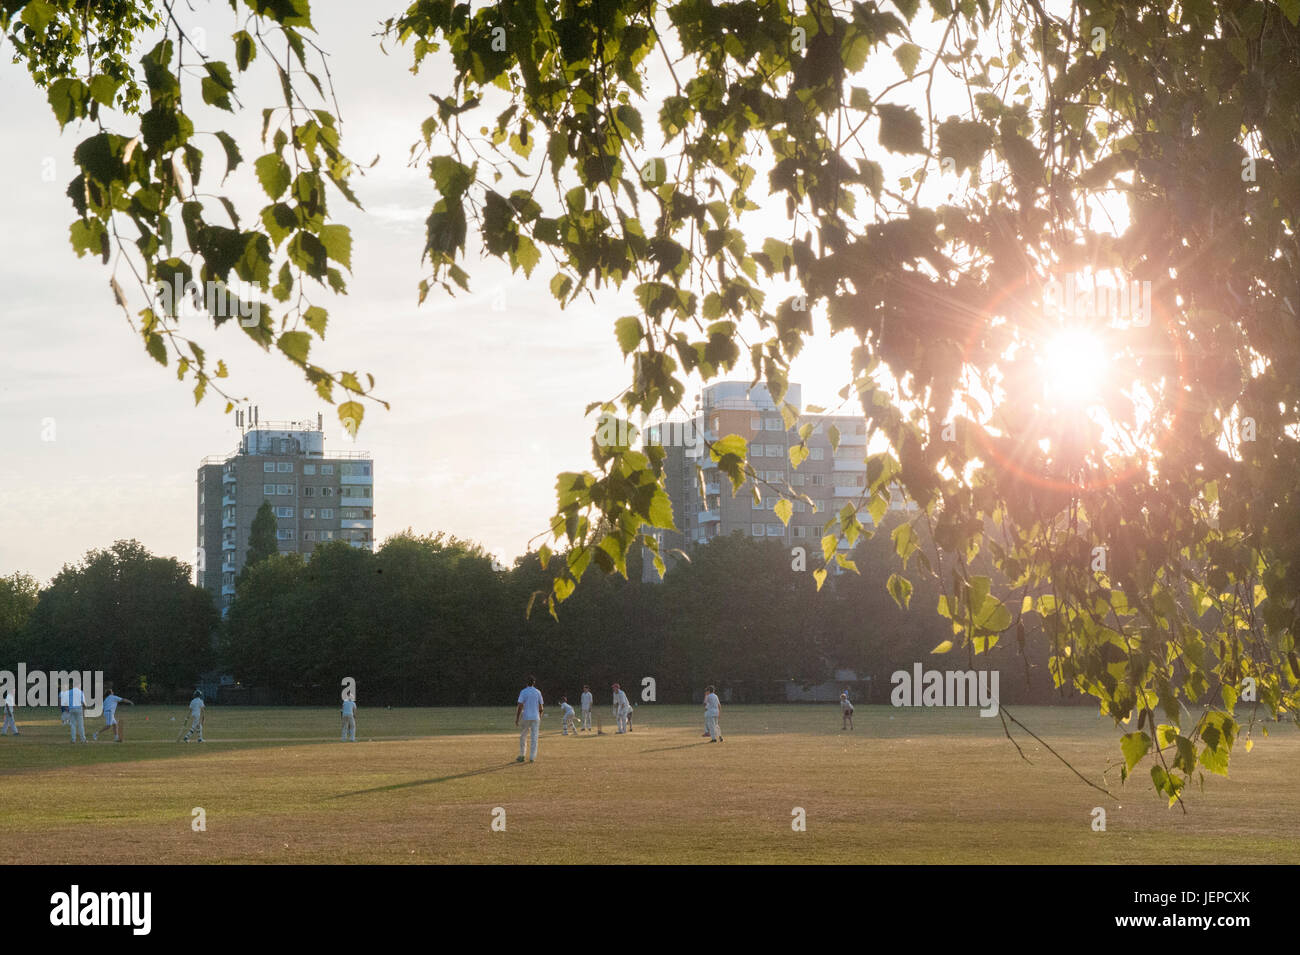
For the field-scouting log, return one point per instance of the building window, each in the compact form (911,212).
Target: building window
(327,469)
(269,467)
(284,512)
(354,514)
(756,530)
(327,492)
(309,469)
(327,514)
(773,424)
(309,535)
(327,535)
(818,480)
(268,490)
(285,467)
(796,479)
(308,491)
(800,530)
(308,513)
(755,422)
(284,535)
(775,450)
(817,454)
(756,505)
(284,489)
(775,530)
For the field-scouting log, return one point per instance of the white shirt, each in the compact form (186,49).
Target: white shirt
(712,705)
(531,697)
(9,701)
(78,698)
(110,707)
(196,707)
(844,703)
(586,701)
(566,709)
(349,707)
(620,701)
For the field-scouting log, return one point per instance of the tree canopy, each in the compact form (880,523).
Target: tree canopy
(1149,538)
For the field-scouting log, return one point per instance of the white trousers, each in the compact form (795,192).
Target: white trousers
(350,728)
(570,725)
(586,718)
(622,721)
(711,724)
(77,721)
(195,727)
(9,726)
(528,731)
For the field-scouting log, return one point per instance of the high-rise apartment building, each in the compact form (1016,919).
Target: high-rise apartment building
(316,498)
(829,477)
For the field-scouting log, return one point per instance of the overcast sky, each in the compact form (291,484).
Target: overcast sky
(487,405)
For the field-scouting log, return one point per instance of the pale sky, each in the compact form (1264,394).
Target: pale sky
(487,406)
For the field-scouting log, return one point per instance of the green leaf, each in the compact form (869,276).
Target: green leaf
(784,509)
(900,129)
(944,647)
(68,98)
(315,318)
(1134,746)
(295,345)
(245,49)
(273,173)
(907,55)
(350,414)
(628,332)
(900,588)
(337,240)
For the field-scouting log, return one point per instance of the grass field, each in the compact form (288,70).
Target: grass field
(907,786)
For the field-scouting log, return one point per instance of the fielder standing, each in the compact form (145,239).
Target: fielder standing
(585,702)
(9,724)
(196,717)
(846,708)
(75,701)
(349,721)
(529,710)
(712,714)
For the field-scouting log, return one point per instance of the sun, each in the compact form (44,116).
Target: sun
(1074,368)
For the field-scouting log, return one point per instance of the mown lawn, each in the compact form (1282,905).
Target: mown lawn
(423,785)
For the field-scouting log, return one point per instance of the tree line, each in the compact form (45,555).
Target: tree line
(431,620)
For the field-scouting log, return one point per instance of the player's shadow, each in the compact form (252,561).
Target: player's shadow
(427,782)
(668,749)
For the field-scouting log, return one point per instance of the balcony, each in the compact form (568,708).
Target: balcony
(712,489)
(227,545)
(362,545)
(354,524)
(850,491)
(228,567)
(227,590)
(850,463)
(705,517)
(354,501)
(853,440)
(228,522)
(228,500)
(356,479)
(228,477)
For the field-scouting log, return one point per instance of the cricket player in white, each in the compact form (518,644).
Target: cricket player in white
(567,717)
(349,721)
(846,708)
(621,708)
(529,710)
(196,717)
(75,701)
(712,714)
(586,707)
(9,724)
(110,716)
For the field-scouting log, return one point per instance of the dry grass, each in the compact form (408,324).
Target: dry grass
(907,786)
